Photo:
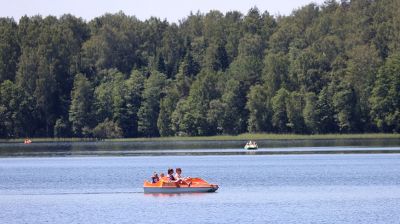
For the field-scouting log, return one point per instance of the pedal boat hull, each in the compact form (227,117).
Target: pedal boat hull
(197,185)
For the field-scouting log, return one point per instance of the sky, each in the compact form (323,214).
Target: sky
(172,10)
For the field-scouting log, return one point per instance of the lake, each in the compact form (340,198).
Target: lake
(232,147)
(333,188)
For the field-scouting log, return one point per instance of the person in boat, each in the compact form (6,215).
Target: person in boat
(178,172)
(163,177)
(178,177)
(155,178)
(27,141)
(171,176)
(252,143)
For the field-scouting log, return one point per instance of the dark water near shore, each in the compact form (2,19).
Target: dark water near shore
(198,147)
(253,189)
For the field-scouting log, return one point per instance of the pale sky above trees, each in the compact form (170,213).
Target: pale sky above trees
(172,10)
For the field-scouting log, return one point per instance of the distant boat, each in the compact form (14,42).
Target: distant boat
(250,145)
(27,141)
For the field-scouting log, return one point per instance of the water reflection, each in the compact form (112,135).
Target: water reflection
(251,152)
(167,195)
(284,189)
(162,148)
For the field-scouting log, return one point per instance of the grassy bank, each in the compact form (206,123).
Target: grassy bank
(247,136)
(19,140)
(250,136)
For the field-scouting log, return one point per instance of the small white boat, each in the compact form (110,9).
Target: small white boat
(251,146)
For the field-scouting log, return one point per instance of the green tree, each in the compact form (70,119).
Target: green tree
(113,44)
(310,114)
(183,79)
(326,113)
(280,116)
(319,114)
(252,22)
(167,107)
(215,115)
(247,66)
(118,100)
(245,71)
(182,120)
(294,107)
(50,50)
(107,129)
(62,128)
(106,97)
(226,69)
(307,70)
(216,57)
(202,92)
(385,98)
(234,101)
(9,49)
(233,32)
(45,95)
(15,111)
(80,112)
(275,72)
(172,49)
(362,68)
(150,107)
(133,100)
(345,104)
(260,111)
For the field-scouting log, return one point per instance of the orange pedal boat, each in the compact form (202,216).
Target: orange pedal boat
(189,185)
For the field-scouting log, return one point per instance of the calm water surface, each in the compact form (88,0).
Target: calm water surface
(253,189)
(162,148)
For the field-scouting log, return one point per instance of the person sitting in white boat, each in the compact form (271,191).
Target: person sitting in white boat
(251,144)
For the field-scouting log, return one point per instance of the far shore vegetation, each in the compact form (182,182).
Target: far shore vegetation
(244,137)
(325,68)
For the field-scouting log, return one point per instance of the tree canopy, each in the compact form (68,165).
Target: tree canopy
(329,68)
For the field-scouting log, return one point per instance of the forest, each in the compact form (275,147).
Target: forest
(329,68)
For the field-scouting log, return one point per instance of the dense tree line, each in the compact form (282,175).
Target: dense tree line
(330,68)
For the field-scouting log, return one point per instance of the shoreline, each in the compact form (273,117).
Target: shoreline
(241,137)
(78,154)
